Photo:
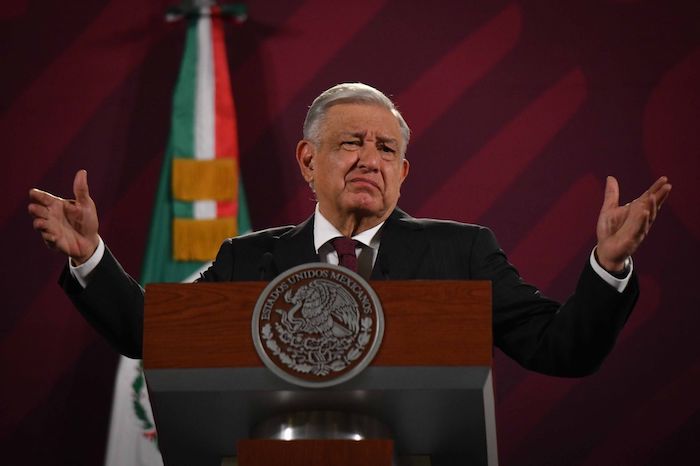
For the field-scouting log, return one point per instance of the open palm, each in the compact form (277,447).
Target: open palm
(68,226)
(621,229)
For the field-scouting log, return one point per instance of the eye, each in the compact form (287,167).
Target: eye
(351,145)
(388,152)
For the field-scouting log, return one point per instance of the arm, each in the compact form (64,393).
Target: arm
(574,338)
(112,301)
(542,335)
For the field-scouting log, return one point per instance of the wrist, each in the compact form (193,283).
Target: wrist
(77,261)
(90,251)
(613,267)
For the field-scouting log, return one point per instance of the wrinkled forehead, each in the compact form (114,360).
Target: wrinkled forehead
(360,118)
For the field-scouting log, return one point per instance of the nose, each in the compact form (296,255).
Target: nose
(369,157)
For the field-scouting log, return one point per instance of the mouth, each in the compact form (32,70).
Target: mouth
(364,182)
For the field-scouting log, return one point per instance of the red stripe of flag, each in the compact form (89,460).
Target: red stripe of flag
(225,131)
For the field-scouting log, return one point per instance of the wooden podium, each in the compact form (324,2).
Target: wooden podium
(430,382)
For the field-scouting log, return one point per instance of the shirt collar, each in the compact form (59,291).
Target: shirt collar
(324,231)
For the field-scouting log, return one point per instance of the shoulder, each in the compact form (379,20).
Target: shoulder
(239,258)
(442,237)
(260,237)
(438,228)
(251,246)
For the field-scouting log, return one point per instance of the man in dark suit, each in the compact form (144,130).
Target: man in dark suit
(353,157)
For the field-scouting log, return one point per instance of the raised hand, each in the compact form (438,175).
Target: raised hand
(67,225)
(621,229)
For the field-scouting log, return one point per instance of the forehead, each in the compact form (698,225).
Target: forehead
(361,118)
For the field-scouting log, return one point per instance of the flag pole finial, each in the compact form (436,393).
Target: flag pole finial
(196,8)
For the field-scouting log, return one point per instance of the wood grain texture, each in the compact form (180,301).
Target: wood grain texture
(427,323)
(371,452)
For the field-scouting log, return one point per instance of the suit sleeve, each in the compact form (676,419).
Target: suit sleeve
(112,303)
(569,339)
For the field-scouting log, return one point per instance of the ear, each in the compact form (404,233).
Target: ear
(405,166)
(305,158)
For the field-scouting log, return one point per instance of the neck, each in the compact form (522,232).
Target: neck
(353,223)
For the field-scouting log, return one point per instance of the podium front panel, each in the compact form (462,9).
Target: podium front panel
(430,382)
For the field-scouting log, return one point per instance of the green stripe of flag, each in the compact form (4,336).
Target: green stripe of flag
(182,120)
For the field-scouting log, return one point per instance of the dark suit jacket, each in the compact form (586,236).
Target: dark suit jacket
(542,335)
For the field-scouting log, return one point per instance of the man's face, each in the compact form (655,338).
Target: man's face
(357,167)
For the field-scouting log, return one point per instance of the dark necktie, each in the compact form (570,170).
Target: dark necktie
(345,247)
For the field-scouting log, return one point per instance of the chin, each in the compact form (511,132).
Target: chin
(365,204)
(368,210)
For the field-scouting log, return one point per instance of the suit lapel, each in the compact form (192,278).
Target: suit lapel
(296,247)
(402,249)
(401,252)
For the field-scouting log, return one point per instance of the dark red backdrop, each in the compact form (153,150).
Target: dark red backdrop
(519,110)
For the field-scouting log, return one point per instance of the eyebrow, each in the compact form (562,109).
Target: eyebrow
(362,135)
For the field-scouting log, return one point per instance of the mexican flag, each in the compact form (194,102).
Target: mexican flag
(200,201)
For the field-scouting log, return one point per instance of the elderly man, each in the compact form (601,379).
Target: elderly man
(353,157)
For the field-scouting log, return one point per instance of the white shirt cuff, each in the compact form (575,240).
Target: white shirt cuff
(81,272)
(618,283)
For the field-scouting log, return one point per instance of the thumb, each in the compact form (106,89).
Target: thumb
(80,186)
(612,194)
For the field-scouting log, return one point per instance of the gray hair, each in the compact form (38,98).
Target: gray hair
(349,93)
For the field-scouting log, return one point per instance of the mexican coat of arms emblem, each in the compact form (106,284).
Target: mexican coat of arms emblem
(317,325)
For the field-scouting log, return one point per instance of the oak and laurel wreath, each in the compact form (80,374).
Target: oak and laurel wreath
(137,386)
(317,369)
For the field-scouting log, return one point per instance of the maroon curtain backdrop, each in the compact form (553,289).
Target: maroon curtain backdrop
(519,111)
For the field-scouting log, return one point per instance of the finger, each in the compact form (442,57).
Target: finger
(50,234)
(636,225)
(661,195)
(659,190)
(652,208)
(645,203)
(80,186)
(38,210)
(44,227)
(42,197)
(49,240)
(612,193)
(642,219)
(658,184)
(51,237)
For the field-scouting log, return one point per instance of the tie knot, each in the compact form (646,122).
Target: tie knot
(345,247)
